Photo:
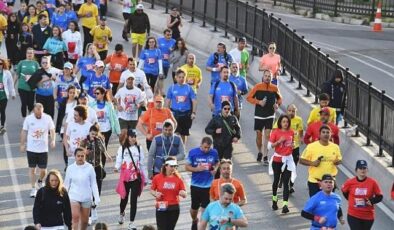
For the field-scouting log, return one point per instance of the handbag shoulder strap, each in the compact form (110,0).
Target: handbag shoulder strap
(132,159)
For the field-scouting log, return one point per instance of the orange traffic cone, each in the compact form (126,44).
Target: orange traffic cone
(377,26)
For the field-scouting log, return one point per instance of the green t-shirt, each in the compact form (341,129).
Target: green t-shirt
(244,62)
(133,5)
(2,86)
(24,70)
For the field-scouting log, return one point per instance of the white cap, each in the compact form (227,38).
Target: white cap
(171,163)
(139,7)
(99,63)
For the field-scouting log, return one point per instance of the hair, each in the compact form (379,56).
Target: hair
(147,42)
(16,19)
(35,9)
(206,140)
(324,97)
(60,190)
(30,227)
(70,87)
(184,48)
(223,67)
(180,71)
(272,43)
(59,36)
(227,188)
(82,111)
(75,24)
(167,30)
(168,124)
(267,70)
(41,16)
(148,227)
(48,58)
(103,91)
(6,65)
(96,128)
(226,161)
(292,105)
(87,49)
(79,149)
(326,127)
(126,143)
(163,167)
(101,226)
(235,63)
(281,117)
(131,59)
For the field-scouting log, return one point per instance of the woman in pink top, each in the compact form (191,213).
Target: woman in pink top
(271,61)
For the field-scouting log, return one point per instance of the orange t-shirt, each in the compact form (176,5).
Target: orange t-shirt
(169,186)
(154,119)
(118,64)
(215,189)
(271,62)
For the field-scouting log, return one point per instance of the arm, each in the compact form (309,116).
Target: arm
(250,97)
(181,151)
(118,161)
(241,222)
(152,153)
(147,25)
(202,225)
(194,106)
(308,135)
(23,140)
(67,210)
(37,207)
(52,134)
(93,186)
(211,127)
(307,215)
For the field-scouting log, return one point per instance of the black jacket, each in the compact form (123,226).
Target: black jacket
(227,135)
(50,209)
(40,37)
(337,93)
(138,23)
(37,77)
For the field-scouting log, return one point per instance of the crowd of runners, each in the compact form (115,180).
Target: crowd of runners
(72,87)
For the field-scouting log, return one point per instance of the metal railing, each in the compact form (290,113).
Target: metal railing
(336,7)
(366,106)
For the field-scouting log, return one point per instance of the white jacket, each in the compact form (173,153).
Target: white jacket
(8,84)
(69,36)
(137,156)
(80,183)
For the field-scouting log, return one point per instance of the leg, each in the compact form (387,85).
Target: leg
(259,144)
(313,188)
(30,101)
(33,177)
(172,219)
(276,167)
(354,223)
(134,49)
(65,157)
(76,214)
(161,220)
(84,218)
(148,143)
(99,177)
(286,178)
(135,187)
(195,195)
(267,133)
(123,202)
(114,88)
(23,96)
(3,106)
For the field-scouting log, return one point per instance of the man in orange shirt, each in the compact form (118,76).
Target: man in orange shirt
(117,63)
(151,122)
(226,170)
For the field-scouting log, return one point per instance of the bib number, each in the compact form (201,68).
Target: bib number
(162,205)
(166,56)
(151,60)
(159,126)
(180,99)
(359,202)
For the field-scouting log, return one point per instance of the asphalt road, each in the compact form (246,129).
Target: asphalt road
(16,206)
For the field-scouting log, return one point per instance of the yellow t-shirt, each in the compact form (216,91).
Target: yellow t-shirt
(3,24)
(296,125)
(193,75)
(31,21)
(92,12)
(330,153)
(100,37)
(315,115)
(44,12)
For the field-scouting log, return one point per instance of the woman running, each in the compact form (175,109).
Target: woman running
(73,40)
(151,62)
(6,90)
(86,63)
(56,47)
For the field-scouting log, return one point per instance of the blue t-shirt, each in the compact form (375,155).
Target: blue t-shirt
(71,16)
(215,76)
(86,65)
(215,212)
(202,179)
(62,85)
(241,84)
(324,205)
(165,47)
(60,20)
(151,61)
(45,88)
(93,82)
(181,97)
(223,92)
(54,45)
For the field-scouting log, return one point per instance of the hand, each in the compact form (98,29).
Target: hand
(342,221)
(120,108)
(193,116)
(110,159)
(22,148)
(69,154)
(236,113)
(149,136)
(262,103)
(235,140)
(200,168)
(281,139)
(182,193)
(322,220)
(368,202)
(158,195)
(212,106)
(276,107)
(315,163)
(38,226)
(218,131)
(53,145)
(223,220)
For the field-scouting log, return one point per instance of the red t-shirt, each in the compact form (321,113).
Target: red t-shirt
(169,187)
(286,147)
(313,132)
(358,193)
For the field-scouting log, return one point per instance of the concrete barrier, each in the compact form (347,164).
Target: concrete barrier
(205,41)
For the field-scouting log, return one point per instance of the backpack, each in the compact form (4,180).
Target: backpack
(216,58)
(217,84)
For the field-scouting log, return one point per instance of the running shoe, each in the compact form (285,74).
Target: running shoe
(33,192)
(275,205)
(285,209)
(265,159)
(121,218)
(259,157)
(131,226)
(40,184)
(2,130)
(195,224)
(291,190)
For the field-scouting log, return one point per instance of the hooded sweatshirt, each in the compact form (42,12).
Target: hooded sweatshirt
(336,91)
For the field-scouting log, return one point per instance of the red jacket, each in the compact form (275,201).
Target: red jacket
(313,132)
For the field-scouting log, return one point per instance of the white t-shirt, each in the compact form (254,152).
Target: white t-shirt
(68,113)
(236,55)
(129,99)
(37,132)
(103,119)
(92,117)
(140,78)
(76,133)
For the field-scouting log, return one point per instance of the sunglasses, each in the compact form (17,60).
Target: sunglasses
(97,93)
(226,108)
(271,48)
(44,62)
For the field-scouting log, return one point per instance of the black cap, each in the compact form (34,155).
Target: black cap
(118,47)
(131,133)
(327,177)
(82,95)
(103,18)
(361,164)
(242,39)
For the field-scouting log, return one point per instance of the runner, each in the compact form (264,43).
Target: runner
(117,63)
(178,56)
(88,12)
(174,22)
(202,162)
(282,164)
(55,47)
(216,61)
(31,18)
(7,90)
(223,214)
(183,103)
(240,82)
(133,176)
(324,208)
(267,99)
(241,56)
(11,40)
(313,131)
(167,187)
(166,45)
(81,184)
(322,157)
(363,193)
(96,80)
(163,145)
(86,64)
(59,17)
(102,37)
(151,62)
(272,62)
(83,101)
(139,26)
(337,90)
(25,40)
(324,100)
(226,171)
(193,72)
(35,131)
(72,38)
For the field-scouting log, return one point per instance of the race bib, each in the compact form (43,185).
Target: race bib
(46,84)
(207,166)
(359,202)
(38,134)
(89,14)
(166,56)
(180,99)
(89,67)
(190,81)
(100,116)
(327,228)
(159,126)
(100,45)
(225,98)
(118,67)
(161,205)
(151,60)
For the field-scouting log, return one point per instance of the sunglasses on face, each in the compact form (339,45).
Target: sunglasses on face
(226,108)
(97,93)
(271,48)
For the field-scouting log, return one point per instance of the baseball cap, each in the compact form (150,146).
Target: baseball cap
(325,110)
(99,63)
(139,7)
(360,164)
(68,65)
(83,95)
(130,76)
(327,177)
(172,162)
(159,98)
(131,133)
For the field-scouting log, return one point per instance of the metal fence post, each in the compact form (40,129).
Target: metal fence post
(316,83)
(236,15)
(314,7)
(246,17)
(270,26)
(205,13)
(291,56)
(299,64)
(226,21)
(262,34)
(274,2)
(254,31)
(369,115)
(308,92)
(216,16)
(180,6)
(167,3)
(357,102)
(381,123)
(336,8)
(294,5)
(193,7)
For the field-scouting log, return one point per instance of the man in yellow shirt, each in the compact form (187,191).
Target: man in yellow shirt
(322,157)
(89,19)
(3,27)
(324,100)
(102,36)
(193,72)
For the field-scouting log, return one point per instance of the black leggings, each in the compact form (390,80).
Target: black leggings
(87,38)
(3,106)
(166,220)
(286,174)
(48,102)
(132,188)
(359,224)
(107,136)
(151,80)
(27,101)
(65,157)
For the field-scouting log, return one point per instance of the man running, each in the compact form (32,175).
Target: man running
(217,60)
(313,131)
(193,72)
(241,56)
(324,100)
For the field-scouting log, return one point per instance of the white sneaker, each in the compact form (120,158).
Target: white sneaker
(40,184)
(131,226)
(93,215)
(33,192)
(121,219)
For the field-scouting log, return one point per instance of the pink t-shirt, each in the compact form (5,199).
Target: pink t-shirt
(271,62)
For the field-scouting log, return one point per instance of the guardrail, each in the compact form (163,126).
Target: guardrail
(335,7)
(367,107)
